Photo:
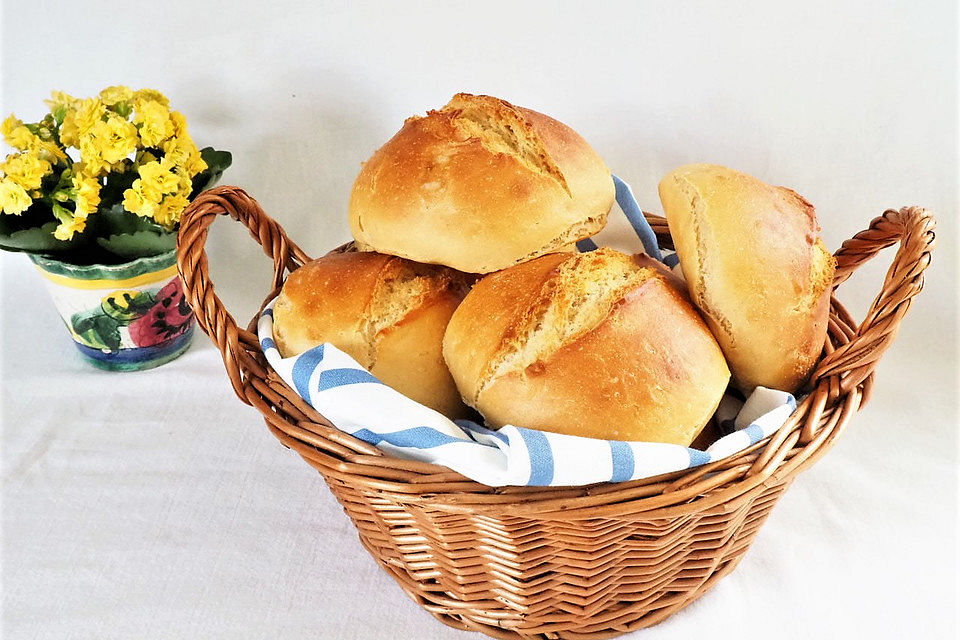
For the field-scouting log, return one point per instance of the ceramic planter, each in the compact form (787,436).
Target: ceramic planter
(124,317)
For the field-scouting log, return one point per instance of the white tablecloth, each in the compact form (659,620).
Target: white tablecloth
(156,505)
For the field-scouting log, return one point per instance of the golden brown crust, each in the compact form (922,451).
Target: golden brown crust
(326,300)
(409,355)
(483,330)
(480,185)
(646,368)
(755,267)
(388,313)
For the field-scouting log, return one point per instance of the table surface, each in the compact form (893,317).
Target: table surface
(156,505)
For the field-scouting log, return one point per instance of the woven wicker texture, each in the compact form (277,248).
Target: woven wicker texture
(583,562)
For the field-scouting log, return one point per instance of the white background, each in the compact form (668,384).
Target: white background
(155,505)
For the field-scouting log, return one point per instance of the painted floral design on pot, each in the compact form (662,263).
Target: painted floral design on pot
(150,319)
(123,317)
(169,316)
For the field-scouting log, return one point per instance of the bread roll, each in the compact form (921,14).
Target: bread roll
(755,267)
(388,313)
(597,344)
(480,185)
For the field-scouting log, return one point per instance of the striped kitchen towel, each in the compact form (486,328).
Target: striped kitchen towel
(354,401)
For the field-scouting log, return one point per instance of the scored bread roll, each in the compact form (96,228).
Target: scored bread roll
(599,344)
(387,313)
(755,267)
(480,185)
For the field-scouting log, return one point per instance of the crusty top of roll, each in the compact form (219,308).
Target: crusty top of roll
(353,299)
(570,296)
(598,344)
(480,185)
(755,267)
(388,313)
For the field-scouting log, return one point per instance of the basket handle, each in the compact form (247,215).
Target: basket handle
(913,227)
(211,315)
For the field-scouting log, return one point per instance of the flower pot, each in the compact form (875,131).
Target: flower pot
(124,317)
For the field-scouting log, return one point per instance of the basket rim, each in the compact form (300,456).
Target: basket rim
(435,480)
(840,385)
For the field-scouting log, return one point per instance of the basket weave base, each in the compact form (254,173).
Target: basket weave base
(542,578)
(559,562)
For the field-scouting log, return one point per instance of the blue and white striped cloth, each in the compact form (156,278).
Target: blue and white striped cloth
(353,400)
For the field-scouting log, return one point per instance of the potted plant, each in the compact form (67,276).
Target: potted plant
(93,193)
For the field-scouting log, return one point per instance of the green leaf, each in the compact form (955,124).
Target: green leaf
(96,329)
(35,240)
(217,163)
(116,220)
(139,244)
(32,232)
(129,236)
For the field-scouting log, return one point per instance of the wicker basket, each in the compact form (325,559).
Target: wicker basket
(582,562)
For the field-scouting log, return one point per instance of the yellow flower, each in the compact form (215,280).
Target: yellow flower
(109,141)
(50,151)
(112,95)
(135,201)
(185,185)
(113,132)
(90,153)
(182,152)
(20,137)
(88,194)
(60,103)
(70,222)
(16,134)
(68,227)
(120,139)
(149,95)
(157,179)
(69,133)
(79,120)
(154,122)
(82,170)
(161,192)
(179,123)
(10,123)
(195,163)
(175,152)
(168,213)
(60,99)
(26,169)
(14,199)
